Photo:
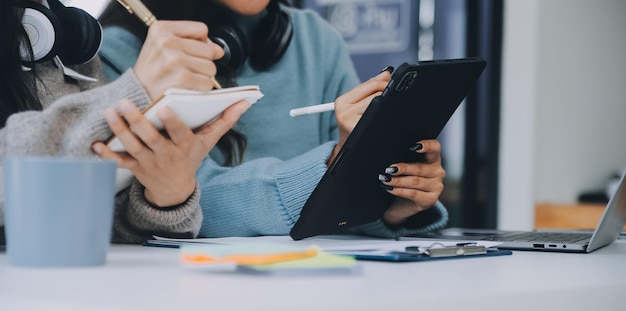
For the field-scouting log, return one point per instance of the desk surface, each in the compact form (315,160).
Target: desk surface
(147,278)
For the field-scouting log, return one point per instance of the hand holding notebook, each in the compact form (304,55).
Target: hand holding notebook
(195,108)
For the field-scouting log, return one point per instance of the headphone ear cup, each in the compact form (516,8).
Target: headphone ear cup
(82,36)
(235,45)
(271,40)
(43,30)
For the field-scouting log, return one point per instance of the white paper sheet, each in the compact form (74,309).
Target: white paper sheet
(334,244)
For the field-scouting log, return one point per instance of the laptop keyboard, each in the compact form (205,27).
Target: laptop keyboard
(552,237)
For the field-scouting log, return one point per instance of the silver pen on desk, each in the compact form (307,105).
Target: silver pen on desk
(137,8)
(312,109)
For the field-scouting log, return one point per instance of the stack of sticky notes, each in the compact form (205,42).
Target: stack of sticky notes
(266,258)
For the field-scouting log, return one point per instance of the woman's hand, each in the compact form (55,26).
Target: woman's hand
(165,165)
(350,106)
(177,54)
(417,186)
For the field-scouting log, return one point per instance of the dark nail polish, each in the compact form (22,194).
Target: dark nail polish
(386,187)
(417,146)
(388,68)
(391,170)
(384,177)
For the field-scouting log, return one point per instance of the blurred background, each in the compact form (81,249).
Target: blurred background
(544,126)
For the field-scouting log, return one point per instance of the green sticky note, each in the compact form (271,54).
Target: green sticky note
(322,263)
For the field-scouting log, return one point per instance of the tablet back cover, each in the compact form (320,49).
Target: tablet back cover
(417,103)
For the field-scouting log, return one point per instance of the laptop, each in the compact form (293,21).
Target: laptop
(608,230)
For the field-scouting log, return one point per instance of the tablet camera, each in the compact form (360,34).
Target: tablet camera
(406,81)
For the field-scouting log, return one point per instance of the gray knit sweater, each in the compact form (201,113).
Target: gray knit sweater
(71,121)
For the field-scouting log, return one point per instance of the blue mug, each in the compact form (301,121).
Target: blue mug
(58,211)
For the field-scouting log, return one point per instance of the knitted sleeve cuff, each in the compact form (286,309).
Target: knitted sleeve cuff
(297,179)
(431,219)
(184,218)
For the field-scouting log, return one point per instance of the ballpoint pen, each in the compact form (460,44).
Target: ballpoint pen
(137,8)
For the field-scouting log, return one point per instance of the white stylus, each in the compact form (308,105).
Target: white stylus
(312,109)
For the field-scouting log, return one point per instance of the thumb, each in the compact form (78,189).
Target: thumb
(214,131)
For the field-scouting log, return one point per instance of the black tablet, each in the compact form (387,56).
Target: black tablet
(416,104)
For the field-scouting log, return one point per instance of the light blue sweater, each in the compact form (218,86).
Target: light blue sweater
(285,157)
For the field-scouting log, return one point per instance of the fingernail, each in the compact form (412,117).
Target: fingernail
(391,170)
(243,108)
(163,114)
(126,106)
(96,148)
(417,146)
(388,68)
(384,177)
(386,187)
(110,115)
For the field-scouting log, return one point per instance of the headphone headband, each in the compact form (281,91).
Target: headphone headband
(268,44)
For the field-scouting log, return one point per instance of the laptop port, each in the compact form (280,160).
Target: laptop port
(552,245)
(538,245)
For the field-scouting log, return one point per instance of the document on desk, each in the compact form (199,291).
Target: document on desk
(357,246)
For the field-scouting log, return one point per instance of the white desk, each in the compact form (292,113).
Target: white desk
(147,278)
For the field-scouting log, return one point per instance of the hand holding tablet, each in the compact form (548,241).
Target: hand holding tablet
(415,105)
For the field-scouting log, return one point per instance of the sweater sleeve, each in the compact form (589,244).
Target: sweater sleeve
(68,127)
(431,219)
(136,220)
(71,124)
(260,197)
(265,197)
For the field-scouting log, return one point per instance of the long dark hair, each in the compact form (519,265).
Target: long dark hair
(18,89)
(233,143)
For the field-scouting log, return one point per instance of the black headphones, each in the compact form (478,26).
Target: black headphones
(69,32)
(267,45)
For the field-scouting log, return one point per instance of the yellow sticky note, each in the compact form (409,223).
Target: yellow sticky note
(243,254)
(322,263)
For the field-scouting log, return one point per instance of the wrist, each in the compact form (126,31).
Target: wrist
(170,207)
(168,199)
(393,221)
(333,155)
